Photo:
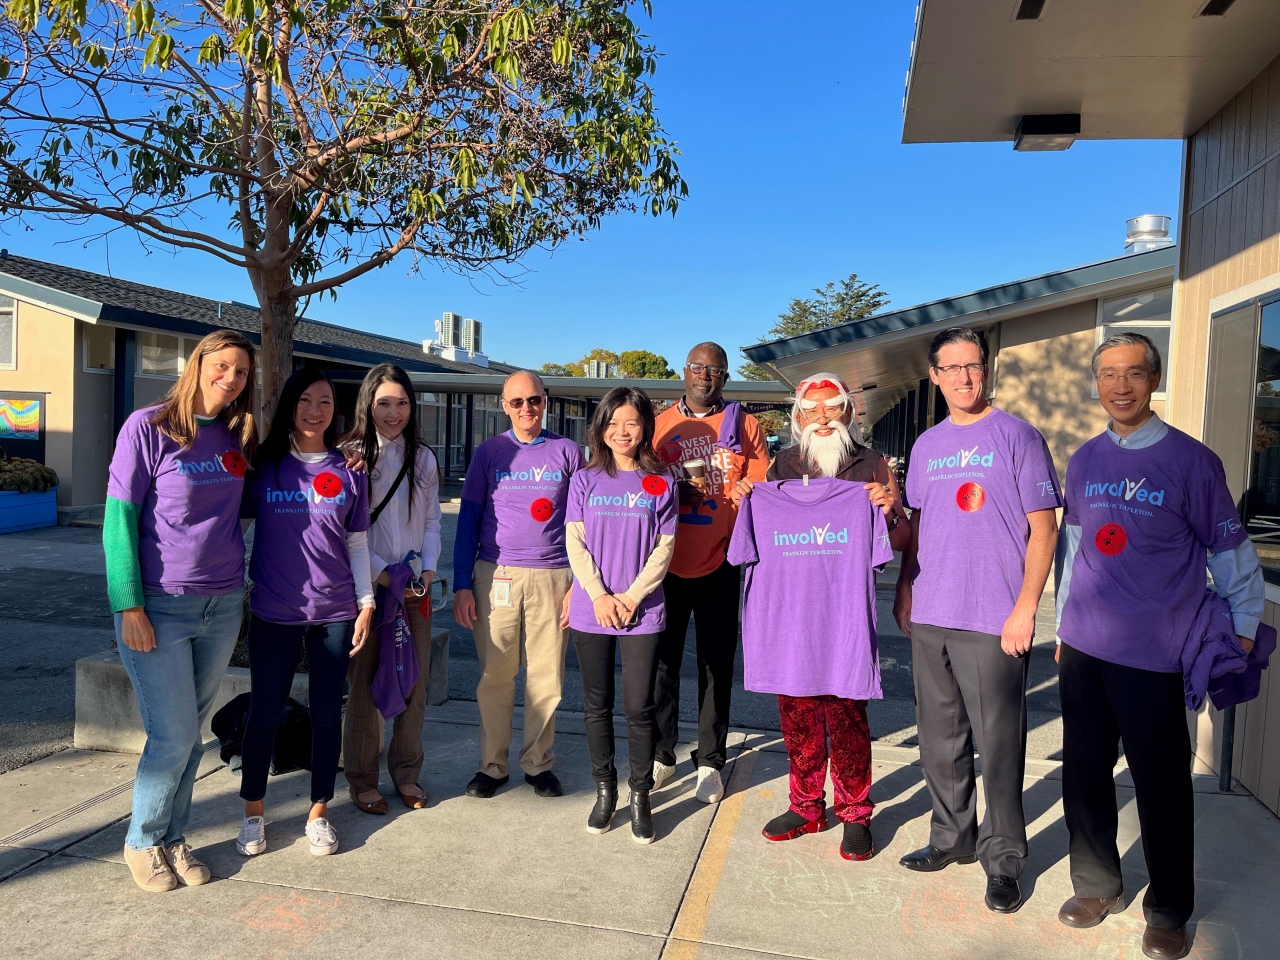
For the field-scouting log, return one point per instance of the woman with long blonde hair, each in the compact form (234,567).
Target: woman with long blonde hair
(175,579)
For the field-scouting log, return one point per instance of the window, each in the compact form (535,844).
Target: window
(8,335)
(99,348)
(1149,313)
(1262,501)
(160,355)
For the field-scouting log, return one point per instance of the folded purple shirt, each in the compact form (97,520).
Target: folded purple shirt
(398,667)
(1212,650)
(1233,688)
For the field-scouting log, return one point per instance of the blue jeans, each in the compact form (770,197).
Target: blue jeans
(175,685)
(273,655)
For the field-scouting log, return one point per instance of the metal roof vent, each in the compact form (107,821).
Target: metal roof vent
(1046,131)
(1147,232)
(1034,9)
(1214,8)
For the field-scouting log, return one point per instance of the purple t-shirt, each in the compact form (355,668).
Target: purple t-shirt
(300,568)
(189,526)
(1148,519)
(809,608)
(975,485)
(523,487)
(622,517)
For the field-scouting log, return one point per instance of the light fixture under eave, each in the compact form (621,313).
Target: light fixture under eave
(1046,131)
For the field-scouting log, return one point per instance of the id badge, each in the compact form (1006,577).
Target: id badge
(501,591)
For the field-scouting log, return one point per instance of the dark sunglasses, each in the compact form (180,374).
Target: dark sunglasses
(515,403)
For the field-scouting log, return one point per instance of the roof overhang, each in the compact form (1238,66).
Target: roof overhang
(747,391)
(1132,69)
(883,357)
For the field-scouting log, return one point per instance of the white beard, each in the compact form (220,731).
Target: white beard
(826,453)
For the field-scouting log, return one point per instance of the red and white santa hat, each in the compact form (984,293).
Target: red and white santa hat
(813,383)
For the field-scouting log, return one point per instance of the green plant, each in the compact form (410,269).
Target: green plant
(25,476)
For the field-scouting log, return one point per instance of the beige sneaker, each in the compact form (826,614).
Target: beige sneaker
(150,869)
(188,869)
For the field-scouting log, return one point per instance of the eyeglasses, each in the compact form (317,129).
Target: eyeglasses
(1109,378)
(697,369)
(953,369)
(813,409)
(515,403)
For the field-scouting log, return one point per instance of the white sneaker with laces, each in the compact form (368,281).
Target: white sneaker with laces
(253,837)
(322,837)
(710,786)
(662,772)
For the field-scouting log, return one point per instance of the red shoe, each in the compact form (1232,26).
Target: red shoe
(857,843)
(790,825)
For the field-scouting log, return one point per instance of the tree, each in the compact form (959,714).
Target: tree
(644,365)
(332,135)
(560,370)
(851,300)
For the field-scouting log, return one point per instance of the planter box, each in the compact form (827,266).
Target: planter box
(27,511)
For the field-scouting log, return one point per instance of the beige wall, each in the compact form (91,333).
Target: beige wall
(46,344)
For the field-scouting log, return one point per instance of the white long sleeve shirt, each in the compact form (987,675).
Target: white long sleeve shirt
(401,535)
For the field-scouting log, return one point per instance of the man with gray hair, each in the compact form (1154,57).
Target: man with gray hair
(1147,509)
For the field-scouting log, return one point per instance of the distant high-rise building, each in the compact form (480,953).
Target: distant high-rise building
(449,329)
(600,370)
(471,339)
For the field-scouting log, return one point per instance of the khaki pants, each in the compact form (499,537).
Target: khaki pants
(526,633)
(364,729)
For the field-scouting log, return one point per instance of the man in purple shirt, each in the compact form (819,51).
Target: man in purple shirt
(984,496)
(1147,510)
(511,581)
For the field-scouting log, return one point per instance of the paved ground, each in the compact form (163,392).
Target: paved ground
(518,877)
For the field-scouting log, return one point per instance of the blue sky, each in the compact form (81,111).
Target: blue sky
(789,120)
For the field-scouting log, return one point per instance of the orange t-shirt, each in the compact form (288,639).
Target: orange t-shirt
(702,535)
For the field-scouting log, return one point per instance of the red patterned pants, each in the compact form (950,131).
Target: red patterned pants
(807,723)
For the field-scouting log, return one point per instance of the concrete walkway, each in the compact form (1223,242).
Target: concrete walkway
(519,877)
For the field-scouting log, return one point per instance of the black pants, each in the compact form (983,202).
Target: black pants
(273,654)
(639,663)
(971,694)
(713,601)
(1102,704)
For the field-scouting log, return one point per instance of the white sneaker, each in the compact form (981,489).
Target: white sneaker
(253,837)
(322,838)
(710,786)
(662,772)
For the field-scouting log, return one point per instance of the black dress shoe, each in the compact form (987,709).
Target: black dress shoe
(545,784)
(641,818)
(930,859)
(484,786)
(1161,943)
(602,813)
(1003,894)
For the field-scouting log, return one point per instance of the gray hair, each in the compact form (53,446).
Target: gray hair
(528,373)
(1129,340)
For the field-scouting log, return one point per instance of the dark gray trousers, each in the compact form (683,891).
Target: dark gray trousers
(971,695)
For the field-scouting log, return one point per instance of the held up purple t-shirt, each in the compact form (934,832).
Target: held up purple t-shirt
(622,517)
(809,607)
(300,568)
(523,487)
(975,485)
(189,537)
(1148,520)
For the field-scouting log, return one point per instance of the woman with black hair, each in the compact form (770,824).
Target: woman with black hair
(311,589)
(620,531)
(404,548)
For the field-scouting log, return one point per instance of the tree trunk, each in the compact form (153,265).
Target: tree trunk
(278,315)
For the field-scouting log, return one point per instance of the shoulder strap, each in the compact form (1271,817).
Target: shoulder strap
(377,511)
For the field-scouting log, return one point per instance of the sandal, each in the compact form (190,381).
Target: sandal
(377,807)
(413,801)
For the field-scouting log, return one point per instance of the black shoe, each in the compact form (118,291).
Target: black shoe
(1003,894)
(545,784)
(857,843)
(789,825)
(602,813)
(641,818)
(930,859)
(484,786)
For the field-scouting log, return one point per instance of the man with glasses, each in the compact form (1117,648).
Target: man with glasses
(701,434)
(512,578)
(1148,509)
(983,492)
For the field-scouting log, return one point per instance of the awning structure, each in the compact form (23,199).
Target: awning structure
(768,391)
(1131,69)
(885,356)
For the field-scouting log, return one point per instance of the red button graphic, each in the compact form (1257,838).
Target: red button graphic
(424,607)
(327,484)
(234,463)
(654,484)
(1110,539)
(970,497)
(669,453)
(542,509)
